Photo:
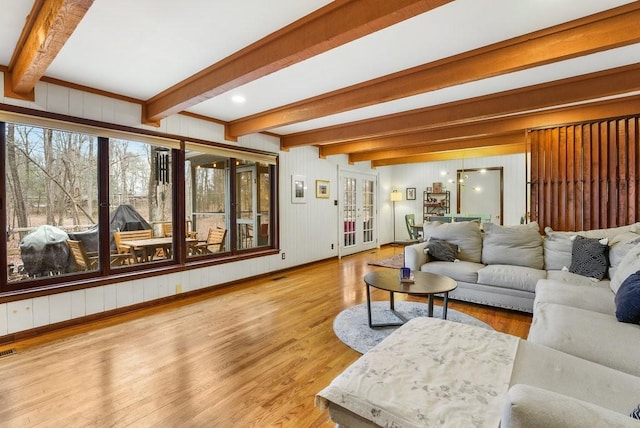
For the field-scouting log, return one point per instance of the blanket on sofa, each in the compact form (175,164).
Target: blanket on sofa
(429,372)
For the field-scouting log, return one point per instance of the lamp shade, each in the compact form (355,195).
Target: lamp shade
(396,196)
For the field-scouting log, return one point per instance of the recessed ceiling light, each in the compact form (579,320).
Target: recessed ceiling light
(238,99)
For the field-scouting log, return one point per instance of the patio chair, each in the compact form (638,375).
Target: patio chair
(82,259)
(215,241)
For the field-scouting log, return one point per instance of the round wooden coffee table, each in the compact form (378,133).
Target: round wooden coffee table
(425,284)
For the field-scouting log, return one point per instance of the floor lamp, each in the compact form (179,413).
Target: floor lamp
(396,196)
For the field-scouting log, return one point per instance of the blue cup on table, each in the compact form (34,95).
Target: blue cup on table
(405,273)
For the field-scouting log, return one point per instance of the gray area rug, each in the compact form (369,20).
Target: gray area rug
(351,325)
(395,262)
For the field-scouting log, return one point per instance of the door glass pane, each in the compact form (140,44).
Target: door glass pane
(367,211)
(206,203)
(245,213)
(264,205)
(140,201)
(52,197)
(349,204)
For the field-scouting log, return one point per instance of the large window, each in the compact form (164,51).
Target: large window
(52,198)
(82,205)
(223,220)
(141,202)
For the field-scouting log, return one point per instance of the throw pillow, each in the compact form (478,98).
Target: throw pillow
(635,414)
(465,234)
(628,300)
(589,257)
(439,249)
(629,265)
(518,245)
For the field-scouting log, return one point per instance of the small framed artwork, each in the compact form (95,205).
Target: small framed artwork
(298,189)
(411,193)
(322,189)
(429,189)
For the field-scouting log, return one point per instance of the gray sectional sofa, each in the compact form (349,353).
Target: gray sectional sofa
(501,265)
(578,367)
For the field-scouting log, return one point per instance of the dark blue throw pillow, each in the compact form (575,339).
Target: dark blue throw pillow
(628,300)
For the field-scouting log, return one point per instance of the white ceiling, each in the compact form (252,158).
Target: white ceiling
(140,48)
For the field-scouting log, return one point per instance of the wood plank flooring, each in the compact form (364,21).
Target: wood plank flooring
(250,355)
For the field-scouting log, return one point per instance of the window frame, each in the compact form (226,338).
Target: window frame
(106,274)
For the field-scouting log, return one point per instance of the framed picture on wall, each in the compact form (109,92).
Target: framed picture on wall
(429,189)
(411,193)
(298,189)
(322,189)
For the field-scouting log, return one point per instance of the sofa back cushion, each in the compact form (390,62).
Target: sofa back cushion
(558,245)
(465,234)
(629,265)
(519,245)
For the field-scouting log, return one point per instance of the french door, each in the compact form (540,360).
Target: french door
(358,222)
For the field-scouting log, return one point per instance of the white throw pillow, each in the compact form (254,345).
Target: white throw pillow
(629,265)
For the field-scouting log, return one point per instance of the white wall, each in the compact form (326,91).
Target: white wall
(422,175)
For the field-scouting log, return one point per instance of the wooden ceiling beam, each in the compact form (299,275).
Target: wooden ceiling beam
(335,24)
(615,81)
(478,152)
(48,28)
(433,147)
(573,114)
(607,30)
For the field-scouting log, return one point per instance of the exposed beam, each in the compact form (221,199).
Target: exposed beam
(335,24)
(581,88)
(580,113)
(508,149)
(607,30)
(48,27)
(432,147)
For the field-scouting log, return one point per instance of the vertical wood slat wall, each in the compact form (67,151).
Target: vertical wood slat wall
(586,176)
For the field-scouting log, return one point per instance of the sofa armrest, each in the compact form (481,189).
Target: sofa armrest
(414,256)
(527,406)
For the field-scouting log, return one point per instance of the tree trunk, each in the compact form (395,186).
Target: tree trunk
(48,188)
(20,207)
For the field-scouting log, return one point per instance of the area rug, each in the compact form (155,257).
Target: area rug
(352,327)
(395,262)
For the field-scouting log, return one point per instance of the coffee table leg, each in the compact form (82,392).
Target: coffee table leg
(430,306)
(392,303)
(369,305)
(445,305)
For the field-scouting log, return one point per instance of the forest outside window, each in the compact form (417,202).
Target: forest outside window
(52,198)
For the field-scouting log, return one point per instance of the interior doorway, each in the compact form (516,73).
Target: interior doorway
(358,212)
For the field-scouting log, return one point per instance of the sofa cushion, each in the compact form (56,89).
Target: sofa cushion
(465,234)
(519,245)
(589,257)
(573,278)
(628,300)
(594,336)
(509,276)
(558,245)
(630,264)
(620,245)
(596,297)
(557,249)
(441,250)
(459,271)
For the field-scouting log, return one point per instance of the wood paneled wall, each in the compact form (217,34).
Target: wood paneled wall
(586,176)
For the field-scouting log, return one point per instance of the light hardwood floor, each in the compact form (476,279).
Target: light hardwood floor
(250,355)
